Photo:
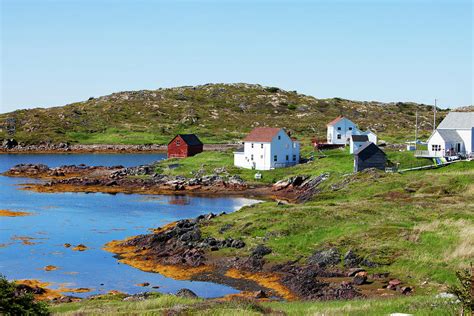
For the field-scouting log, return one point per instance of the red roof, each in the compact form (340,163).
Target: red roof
(262,134)
(337,119)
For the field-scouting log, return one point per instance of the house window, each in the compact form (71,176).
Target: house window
(338,136)
(435,147)
(338,128)
(350,128)
(294,157)
(294,145)
(275,158)
(178,142)
(261,156)
(252,145)
(279,137)
(261,145)
(251,157)
(287,158)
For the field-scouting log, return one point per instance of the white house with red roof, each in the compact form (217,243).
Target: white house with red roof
(340,130)
(267,148)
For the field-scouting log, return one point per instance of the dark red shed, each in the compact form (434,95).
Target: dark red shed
(184,145)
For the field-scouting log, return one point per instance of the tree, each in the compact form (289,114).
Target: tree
(15,301)
(464,291)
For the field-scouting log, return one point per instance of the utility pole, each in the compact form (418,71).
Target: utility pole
(416,129)
(434,115)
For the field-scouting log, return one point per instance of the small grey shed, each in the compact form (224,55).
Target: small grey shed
(369,155)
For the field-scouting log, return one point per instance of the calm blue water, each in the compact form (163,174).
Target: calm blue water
(93,220)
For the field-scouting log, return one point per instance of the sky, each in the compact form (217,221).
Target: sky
(55,52)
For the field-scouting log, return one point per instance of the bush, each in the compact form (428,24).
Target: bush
(463,290)
(14,301)
(272,89)
(291,107)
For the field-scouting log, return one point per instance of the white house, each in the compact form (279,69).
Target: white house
(267,148)
(371,135)
(454,136)
(339,131)
(357,141)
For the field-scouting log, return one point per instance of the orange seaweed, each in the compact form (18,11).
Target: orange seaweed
(50,268)
(80,247)
(268,280)
(9,213)
(49,294)
(136,259)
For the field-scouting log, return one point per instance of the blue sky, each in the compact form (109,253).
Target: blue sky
(58,52)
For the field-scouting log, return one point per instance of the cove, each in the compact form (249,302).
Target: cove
(30,243)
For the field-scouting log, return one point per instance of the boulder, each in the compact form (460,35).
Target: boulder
(352,260)
(360,278)
(187,293)
(325,258)
(260,294)
(237,244)
(261,251)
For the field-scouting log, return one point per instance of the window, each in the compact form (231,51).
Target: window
(338,128)
(294,145)
(338,136)
(252,145)
(261,156)
(251,157)
(275,158)
(261,145)
(294,157)
(279,137)
(350,128)
(435,147)
(287,158)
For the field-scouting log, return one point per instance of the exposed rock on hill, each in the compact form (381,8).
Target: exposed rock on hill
(218,112)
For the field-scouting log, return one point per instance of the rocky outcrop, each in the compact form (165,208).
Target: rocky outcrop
(299,188)
(325,258)
(182,243)
(82,176)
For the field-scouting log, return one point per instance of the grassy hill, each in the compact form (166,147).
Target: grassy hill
(216,112)
(417,225)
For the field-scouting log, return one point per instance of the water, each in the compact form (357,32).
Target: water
(93,220)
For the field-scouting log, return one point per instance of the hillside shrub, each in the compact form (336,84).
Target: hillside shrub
(14,301)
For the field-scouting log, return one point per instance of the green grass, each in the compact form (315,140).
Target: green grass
(336,161)
(418,225)
(217,113)
(417,305)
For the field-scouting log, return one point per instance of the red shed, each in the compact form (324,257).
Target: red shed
(184,145)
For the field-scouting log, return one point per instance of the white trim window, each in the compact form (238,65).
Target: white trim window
(435,147)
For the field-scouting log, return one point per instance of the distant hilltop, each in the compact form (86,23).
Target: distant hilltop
(218,113)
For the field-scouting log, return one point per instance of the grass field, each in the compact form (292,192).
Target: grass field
(337,162)
(165,304)
(419,225)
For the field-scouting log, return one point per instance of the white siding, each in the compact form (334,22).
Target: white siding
(260,156)
(344,128)
(436,140)
(467,137)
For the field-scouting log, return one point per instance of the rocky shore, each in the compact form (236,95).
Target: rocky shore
(10,146)
(327,275)
(144,180)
